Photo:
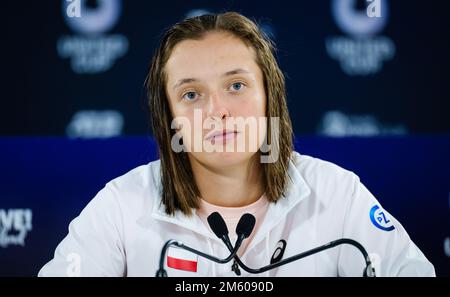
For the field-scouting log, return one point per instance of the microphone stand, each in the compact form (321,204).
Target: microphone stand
(369,271)
(162,272)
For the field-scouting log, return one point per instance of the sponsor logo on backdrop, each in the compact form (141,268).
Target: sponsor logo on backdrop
(363,50)
(197,12)
(73,9)
(338,124)
(90,48)
(95,124)
(14,226)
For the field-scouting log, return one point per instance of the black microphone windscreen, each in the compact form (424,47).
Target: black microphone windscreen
(217,224)
(245,225)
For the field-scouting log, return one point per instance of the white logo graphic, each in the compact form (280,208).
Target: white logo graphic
(374,9)
(359,23)
(91,51)
(363,51)
(96,20)
(95,124)
(14,226)
(337,124)
(74,9)
(196,12)
(447,246)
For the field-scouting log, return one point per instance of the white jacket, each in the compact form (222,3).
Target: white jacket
(122,230)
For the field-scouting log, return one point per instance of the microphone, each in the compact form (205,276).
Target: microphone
(243,230)
(219,228)
(245,227)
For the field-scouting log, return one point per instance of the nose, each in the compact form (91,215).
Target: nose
(217,107)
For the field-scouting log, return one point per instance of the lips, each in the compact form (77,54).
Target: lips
(221,136)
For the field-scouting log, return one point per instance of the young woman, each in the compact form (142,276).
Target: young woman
(219,115)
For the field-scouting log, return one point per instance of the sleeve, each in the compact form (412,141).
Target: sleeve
(93,246)
(390,248)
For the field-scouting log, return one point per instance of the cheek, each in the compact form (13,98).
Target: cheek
(191,129)
(253,105)
(188,125)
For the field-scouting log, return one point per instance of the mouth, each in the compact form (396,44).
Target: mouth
(221,136)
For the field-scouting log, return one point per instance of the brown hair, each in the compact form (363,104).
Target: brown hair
(179,189)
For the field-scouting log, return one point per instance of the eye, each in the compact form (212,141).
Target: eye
(237,86)
(190,96)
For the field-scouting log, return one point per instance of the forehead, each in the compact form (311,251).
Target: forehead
(214,54)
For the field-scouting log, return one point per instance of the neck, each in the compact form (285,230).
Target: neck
(234,186)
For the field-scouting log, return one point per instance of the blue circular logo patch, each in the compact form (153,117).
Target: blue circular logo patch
(380,220)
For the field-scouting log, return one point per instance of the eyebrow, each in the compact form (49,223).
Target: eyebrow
(184,81)
(235,71)
(228,73)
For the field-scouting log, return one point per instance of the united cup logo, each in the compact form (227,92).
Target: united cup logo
(90,49)
(363,51)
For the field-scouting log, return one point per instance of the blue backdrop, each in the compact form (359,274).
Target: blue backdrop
(46,182)
(369,76)
(348,75)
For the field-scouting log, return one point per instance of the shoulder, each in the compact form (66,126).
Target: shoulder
(317,169)
(136,191)
(144,177)
(325,179)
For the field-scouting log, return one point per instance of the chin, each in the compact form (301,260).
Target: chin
(225,159)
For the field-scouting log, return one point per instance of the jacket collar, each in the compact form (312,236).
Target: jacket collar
(297,190)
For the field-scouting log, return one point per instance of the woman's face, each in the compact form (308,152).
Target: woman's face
(217,98)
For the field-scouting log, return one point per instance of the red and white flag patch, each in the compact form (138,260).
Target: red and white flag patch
(178,258)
